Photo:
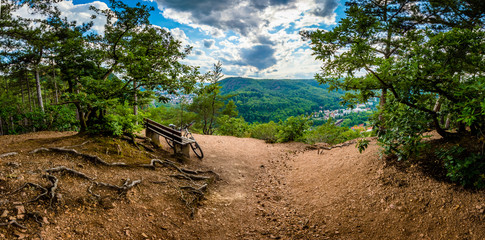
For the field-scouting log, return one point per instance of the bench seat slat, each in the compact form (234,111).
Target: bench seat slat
(167,132)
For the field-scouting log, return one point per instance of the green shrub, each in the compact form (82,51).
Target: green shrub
(293,129)
(265,131)
(463,167)
(330,133)
(403,131)
(232,126)
(121,120)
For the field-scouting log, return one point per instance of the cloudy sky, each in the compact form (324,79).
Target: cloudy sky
(252,38)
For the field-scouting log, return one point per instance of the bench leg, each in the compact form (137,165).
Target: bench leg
(153,136)
(183,149)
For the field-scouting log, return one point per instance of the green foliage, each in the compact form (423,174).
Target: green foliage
(209,102)
(463,167)
(424,60)
(232,126)
(173,115)
(403,131)
(330,133)
(264,100)
(265,131)
(362,144)
(293,128)
(121,120)
(85,64)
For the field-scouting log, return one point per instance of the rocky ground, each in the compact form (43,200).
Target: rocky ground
(243,189)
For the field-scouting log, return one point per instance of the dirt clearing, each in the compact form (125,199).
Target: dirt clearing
(262,191)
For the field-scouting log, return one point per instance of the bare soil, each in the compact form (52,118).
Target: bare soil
(265,191)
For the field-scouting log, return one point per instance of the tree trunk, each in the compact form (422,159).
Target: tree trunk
(1,127)
(382,102)
(12,123)
(82,119)
(55,83)
(448,122)
(29,93)
(135,101)
(22,92)
(437,105)
(6,85)
(39,90)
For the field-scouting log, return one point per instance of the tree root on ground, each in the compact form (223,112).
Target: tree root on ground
(184,173)
(8,154)
(193,196)
(13,223)
(122,190)
(92,158)
(320,149)
(47,192)
(79,145)
(190,177)
(73,172)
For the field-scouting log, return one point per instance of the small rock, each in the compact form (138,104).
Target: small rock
(20,235)
(20,209)
(45,220)
(144,235)
(4,214)
(13,164)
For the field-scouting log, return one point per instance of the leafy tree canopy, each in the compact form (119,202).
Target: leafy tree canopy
(424,59)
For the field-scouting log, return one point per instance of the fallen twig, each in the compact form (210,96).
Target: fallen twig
(8,154)
(79,145)
(13,223)
(70,171)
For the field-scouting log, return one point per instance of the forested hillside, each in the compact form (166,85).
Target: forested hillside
(264,100)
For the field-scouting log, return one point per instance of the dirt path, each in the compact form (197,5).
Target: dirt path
(267,191)
(284,191)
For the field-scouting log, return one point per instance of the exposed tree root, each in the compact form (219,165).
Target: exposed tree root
(200,190)
(128,184)
(91,158)
(34,185)
(52,195)
(122,190)
(320,149)
(192,196)
(13,223)
(36,216)
(8,154)
(79,145)
(190,177)
(198,172)
(73,172)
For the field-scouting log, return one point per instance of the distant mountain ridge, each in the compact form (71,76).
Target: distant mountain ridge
(264,100)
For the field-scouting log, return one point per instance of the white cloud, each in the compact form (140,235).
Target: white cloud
(266,41)
(79,13)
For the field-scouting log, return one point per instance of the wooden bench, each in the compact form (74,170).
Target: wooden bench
(154,130)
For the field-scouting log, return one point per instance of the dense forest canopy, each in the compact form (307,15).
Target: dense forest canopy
(425,60)
(72,66)
(264,100)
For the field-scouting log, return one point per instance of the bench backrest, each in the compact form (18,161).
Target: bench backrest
(163,130)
